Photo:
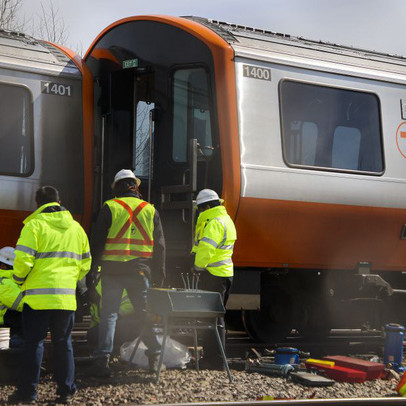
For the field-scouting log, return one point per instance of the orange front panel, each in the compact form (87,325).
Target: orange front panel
(276,233)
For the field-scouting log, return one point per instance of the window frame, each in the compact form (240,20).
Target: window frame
(31,129)
(211,103)
(324,168)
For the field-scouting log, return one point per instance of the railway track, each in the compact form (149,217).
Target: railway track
(307,402)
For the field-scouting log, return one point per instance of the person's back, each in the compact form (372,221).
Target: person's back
(129,246)
(50,246)
(52,254)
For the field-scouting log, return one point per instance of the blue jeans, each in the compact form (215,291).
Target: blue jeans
(35,328)
(112,290)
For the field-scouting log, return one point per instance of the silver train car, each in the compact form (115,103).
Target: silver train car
(305,141)
(41,129)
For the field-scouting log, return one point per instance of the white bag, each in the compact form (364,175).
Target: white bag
(176,355)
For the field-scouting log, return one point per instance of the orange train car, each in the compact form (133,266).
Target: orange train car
(304,140)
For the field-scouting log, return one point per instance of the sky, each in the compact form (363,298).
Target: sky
(368,24)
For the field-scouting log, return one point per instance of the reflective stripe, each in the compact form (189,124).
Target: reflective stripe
(17,279)
(225,230)
(59,254)
(226,247)
(50,291)
(199,269)
(209,241)
(86,255)
(26,249)
(128,252)
(2,307)
(220,263)
(123,299)
(17,301)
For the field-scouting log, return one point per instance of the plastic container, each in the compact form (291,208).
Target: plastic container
(393,347)
(373,370)
(287,355)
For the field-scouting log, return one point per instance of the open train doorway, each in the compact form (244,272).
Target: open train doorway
(155,113)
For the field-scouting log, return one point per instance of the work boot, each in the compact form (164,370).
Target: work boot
(65,399)
(18,398)
(100,367)
(154,362)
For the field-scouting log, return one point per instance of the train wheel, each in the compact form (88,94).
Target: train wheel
(316,323)
(274,321)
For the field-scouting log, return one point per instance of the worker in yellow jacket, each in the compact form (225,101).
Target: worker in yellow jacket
(215,235)
(10,298)
(52,254)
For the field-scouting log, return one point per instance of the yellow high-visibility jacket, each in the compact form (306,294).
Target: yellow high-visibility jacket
(52,254)
(215,236)
(131,233)
(10,294)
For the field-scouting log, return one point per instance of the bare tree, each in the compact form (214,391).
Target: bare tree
(9,15)
(51,25)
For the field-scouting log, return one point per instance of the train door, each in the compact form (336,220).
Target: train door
(189,154)
(160,124)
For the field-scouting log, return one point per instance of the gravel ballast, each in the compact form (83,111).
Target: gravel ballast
(183,386)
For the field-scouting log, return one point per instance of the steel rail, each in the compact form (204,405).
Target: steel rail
(299,402)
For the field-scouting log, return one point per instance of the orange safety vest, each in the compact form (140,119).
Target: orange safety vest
(131,233)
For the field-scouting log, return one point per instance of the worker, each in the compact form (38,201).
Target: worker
(11,303)
(52,254)
(129,246)
(215,235)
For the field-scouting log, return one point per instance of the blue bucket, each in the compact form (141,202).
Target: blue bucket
(286,355)
(393,347)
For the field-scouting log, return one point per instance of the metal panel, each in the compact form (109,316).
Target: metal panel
(263,170)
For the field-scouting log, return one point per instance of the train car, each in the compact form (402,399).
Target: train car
(42,130)
(305,141)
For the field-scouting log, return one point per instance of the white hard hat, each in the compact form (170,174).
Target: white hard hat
(207,195)
(125,174)
(7,255)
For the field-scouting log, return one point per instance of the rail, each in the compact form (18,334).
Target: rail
(307,402)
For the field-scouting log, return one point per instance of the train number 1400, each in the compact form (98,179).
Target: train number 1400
(58,89)
(256,72)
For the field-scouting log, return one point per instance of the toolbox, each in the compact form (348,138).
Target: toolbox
(340,374)
(373,370)
(308,379)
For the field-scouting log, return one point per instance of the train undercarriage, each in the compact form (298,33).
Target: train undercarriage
(314,302)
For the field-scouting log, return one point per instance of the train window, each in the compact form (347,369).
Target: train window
(141,142)
(191,112)
(16,143)
(330,128)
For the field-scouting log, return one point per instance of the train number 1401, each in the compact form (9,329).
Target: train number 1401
(256,72)
(58,89)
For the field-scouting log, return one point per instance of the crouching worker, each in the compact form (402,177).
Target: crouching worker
(52,254)
(215,236)
(10,299)
(129,246)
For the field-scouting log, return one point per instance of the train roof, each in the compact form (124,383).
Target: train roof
(259,43)
(22,52)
